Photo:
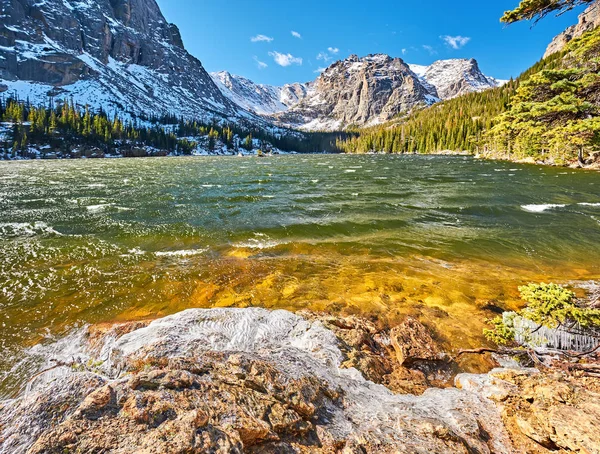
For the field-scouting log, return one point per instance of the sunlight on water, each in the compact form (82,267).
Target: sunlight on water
(446,239)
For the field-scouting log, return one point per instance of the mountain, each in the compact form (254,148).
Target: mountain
(452,78)
(356,91)
(119,55)
(588,20)
(549,114)
(123,56)
(258,98)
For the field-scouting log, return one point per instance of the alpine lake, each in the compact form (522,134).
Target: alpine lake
(445,239)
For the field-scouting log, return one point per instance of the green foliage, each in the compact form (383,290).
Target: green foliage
(548,305)
(503,329)
(555,113)
(538,9)
(552,305)
(248,143)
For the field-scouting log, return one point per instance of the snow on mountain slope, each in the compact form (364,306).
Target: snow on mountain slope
(452,78)
(121,55)
(259,98)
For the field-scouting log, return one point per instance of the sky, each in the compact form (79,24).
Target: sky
(278,42)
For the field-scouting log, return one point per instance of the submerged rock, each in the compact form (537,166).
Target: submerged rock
(406,359)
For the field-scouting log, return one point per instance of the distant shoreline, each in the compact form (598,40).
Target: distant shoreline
(573,165)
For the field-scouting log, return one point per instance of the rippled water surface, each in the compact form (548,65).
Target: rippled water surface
(447,239)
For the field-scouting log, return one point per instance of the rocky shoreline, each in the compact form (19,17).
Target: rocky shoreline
(591,164)
(253,380)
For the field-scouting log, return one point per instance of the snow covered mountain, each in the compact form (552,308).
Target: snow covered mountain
(123,56)
(356,91)
(448,79)
(258,98)
(119,55)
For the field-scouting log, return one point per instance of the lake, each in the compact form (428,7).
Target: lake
(446,239)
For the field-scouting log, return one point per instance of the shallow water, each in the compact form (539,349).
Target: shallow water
(447,239)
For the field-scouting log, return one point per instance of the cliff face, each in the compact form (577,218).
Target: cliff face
(107,53)
(588,20)
(358,91)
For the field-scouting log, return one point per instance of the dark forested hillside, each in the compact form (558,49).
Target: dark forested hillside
(550,112)
(67,130)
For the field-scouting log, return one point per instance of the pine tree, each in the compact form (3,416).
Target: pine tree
(538,9)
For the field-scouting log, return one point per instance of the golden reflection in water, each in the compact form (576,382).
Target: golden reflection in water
(455,299)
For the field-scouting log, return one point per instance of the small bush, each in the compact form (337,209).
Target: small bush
(548,305)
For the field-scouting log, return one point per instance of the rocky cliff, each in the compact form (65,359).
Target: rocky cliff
(588,20)
(115,54)
(358,91)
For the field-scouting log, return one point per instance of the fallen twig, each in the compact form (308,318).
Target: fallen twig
(584,367)
(476,351)
(594,350)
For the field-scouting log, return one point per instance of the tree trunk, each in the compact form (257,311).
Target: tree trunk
(580,157)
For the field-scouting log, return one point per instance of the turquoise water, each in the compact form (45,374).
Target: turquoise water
(441,238)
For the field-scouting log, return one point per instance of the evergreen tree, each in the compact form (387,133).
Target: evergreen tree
(538,9)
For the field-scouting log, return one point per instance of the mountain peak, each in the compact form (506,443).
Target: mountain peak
(356,91)
(455,77)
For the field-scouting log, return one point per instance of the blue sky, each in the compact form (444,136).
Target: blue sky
(284,41)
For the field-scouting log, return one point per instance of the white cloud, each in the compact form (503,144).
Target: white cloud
(429,49)
(319,70)
(455,42)
(260,64)
(261,38)
(323,56)
(296,35)
(285,59)
(329,55)
(404,51)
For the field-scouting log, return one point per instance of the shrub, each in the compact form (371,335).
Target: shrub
(548,305)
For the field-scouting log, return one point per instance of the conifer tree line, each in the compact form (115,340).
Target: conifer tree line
(555,113)
(62,126)
(459,124)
